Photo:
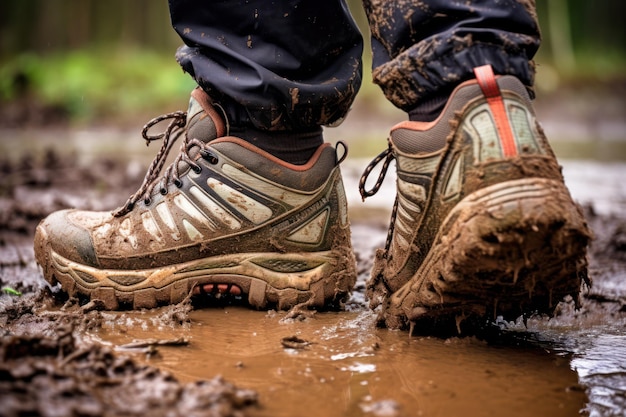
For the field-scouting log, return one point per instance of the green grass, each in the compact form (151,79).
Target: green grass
(95,84)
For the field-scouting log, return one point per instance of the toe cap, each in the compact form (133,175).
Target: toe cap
(69,239)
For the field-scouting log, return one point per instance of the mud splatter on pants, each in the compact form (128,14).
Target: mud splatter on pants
(296,64)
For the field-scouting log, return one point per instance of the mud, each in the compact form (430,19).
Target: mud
(53,373)
(218,358)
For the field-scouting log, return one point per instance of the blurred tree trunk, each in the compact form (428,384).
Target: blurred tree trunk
(81,29)
(57,25)
(561,35)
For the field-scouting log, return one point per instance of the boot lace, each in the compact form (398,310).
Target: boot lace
(173,131)
(386,156)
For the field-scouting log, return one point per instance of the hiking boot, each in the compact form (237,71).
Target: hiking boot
(224,217)
(483,225)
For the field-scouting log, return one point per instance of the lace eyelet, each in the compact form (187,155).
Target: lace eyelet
(147,201)
(163,191)
(178,183)
(197,169)
(209,156)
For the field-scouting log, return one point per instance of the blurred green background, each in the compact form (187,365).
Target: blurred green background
(85,62)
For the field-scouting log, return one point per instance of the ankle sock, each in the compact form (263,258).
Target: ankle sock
(429,109)
(293,147)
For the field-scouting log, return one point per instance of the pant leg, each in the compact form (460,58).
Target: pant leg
(424,48)
(273,65)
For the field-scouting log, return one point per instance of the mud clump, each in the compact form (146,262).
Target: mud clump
(47,368)
(95,382)
(56,375)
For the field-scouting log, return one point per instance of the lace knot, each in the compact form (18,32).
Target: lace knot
(170,135)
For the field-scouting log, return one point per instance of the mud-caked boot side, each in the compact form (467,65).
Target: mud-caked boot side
(483,225)
(302,251)
(224,218)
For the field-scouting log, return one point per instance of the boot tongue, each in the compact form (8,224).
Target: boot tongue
(204,123)
(203,120)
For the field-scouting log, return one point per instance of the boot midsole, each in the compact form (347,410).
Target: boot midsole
(297,271)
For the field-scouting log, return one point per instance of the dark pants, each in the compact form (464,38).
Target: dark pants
(296,64)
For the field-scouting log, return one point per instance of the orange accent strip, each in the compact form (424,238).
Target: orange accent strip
(488,84)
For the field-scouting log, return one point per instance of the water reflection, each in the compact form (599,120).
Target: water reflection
(601,367)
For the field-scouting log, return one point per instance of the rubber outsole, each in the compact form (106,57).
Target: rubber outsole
(515,248)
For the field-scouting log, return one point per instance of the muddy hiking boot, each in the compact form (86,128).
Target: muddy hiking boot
(224,218)
(483,225)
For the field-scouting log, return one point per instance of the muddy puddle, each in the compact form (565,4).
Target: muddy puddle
(337,364)
(61,358)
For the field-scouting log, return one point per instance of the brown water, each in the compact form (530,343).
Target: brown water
(345,366)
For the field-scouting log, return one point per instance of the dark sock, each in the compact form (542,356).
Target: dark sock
(293,147)
(429,109)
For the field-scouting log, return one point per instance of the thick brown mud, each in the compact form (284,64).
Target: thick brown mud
(59,357)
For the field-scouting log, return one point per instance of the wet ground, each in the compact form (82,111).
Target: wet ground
(60,358)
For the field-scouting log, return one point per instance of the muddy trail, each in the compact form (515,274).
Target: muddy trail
(216,357)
